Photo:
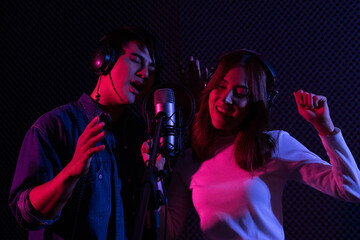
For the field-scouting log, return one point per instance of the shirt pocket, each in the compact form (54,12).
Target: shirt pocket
(97,195)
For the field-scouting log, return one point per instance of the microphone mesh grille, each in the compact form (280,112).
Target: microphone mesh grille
(164,95)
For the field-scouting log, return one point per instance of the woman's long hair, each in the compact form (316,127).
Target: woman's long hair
(253,147)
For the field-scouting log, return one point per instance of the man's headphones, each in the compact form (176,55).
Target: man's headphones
(271,76)
(104,58)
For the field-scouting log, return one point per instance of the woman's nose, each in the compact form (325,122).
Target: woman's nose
(228,97)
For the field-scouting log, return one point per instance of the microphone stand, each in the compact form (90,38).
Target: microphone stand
(150,196)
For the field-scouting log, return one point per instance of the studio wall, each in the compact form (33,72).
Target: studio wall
(312,45)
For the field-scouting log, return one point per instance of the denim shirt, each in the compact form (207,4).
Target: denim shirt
(95,209)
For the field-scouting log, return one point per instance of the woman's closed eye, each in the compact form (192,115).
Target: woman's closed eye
(240,92)
(221,86)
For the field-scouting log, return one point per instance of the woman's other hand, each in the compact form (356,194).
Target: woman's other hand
(145,152)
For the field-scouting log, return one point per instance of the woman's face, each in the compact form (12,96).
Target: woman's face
(228,102)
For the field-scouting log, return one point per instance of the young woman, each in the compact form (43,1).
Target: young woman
(236,170)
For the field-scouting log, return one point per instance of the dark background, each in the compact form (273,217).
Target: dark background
(313,45)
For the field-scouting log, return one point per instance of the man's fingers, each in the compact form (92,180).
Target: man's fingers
(92,123)
(96,129)
(90,131)
(91,151)
(95,139)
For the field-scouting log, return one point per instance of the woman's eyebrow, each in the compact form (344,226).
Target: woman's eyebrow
(238,86)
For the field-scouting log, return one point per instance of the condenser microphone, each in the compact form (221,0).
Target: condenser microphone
(164,103)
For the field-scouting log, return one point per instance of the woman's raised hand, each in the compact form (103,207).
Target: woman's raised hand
(314,109)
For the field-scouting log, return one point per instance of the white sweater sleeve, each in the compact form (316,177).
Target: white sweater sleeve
(340,178)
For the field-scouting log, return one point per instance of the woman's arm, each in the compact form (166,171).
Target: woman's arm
(340,178)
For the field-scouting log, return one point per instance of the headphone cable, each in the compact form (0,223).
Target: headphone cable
(97,98)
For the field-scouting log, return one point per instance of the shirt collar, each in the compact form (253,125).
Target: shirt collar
(89,106)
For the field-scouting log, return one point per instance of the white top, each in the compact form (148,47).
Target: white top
(232,204)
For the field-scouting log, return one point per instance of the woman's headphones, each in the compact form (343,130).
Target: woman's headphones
(271,77)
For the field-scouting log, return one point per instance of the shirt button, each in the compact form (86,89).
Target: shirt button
(100,176)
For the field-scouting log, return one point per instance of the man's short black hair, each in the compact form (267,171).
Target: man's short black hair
(121,36)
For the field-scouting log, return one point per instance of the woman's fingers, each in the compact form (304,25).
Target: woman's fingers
(308,100)
(145,151)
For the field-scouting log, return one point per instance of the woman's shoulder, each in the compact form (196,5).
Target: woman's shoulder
(278,134)
(287,147)
(284,141)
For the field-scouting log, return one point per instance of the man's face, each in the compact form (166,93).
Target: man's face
(133,74)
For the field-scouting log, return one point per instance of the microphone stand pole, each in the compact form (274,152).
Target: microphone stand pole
(150,190)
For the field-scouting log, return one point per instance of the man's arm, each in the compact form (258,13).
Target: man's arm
(49,198)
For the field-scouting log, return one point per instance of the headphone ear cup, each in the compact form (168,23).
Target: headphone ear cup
(209,76)
(271,98)
(102,60)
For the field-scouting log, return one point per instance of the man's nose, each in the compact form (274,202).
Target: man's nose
(143,72)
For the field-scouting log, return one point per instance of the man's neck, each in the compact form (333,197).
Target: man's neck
(115,111)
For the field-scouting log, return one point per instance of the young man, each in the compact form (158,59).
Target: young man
(78,171)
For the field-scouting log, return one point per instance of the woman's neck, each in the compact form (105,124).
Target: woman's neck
(224,141)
